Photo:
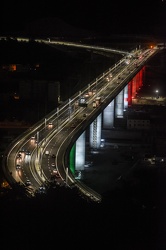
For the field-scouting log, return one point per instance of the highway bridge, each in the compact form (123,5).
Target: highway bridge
(53,42)
(51,148)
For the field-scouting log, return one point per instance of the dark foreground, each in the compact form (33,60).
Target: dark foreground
(130,216)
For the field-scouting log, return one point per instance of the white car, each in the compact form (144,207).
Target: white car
(18,167)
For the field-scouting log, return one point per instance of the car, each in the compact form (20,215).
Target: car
(57,176)
(50,125)
(18,167)
(28,183)
(19,156)
(54,171)
(53,164)
(53,156)
(42,189)
(47,152)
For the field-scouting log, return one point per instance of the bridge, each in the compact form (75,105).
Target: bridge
(53,42)
(55,146)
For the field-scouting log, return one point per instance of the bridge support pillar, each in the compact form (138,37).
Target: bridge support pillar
(108,116)
(80,152)
(137,82)
(119,105)
(125,97)
(95,133)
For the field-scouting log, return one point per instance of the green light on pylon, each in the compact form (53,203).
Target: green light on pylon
(72,159)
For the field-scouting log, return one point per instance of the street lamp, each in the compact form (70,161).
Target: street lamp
(157,95)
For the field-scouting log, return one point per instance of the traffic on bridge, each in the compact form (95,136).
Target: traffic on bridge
(42,153)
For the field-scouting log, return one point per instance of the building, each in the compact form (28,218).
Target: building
(139,121)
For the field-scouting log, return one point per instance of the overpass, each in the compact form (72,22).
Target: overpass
(64,127)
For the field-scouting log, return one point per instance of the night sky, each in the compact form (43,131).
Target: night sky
(121,17)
